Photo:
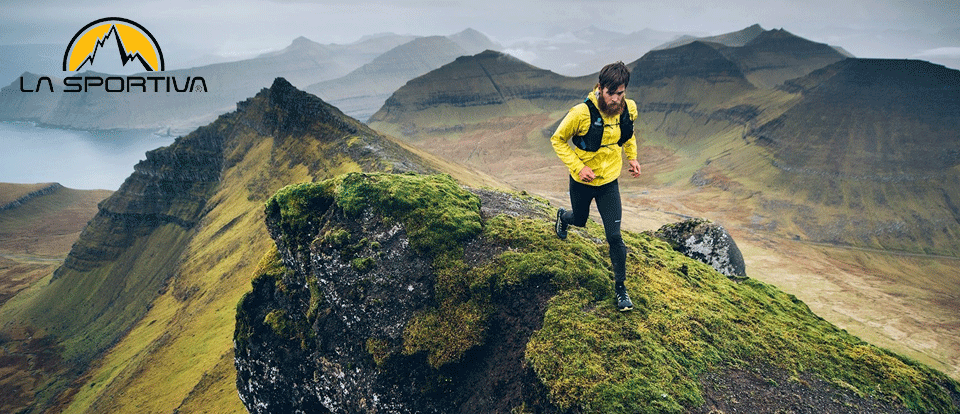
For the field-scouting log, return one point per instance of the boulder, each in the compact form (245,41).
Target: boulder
(707,242)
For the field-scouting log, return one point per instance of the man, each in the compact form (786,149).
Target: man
(599,127)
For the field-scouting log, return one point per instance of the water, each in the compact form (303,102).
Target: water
(74,158)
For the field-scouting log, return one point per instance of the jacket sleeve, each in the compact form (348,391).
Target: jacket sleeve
(630,147)
(569,126)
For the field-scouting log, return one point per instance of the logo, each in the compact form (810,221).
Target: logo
(133,44)
(133,41)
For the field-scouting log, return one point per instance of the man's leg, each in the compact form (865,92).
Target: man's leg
(581,195)
(611,212)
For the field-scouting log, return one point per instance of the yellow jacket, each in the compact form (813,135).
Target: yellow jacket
(606,163)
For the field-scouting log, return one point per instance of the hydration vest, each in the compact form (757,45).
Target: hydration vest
(593,139)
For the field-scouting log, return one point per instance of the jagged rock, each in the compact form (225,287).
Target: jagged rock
(334,333)
(707,242)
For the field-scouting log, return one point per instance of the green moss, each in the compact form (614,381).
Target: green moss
(336,238)
(278,321)
(435,212)
(445,333)
(537,252)
(380,350)
(316,298)
(695,320)
(362,264)
(296,210)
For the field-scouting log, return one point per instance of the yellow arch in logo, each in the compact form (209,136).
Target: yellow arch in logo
(137,44)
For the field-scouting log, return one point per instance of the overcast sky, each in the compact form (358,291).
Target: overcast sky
(869,28)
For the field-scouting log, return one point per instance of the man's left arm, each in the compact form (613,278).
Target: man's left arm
(630,147)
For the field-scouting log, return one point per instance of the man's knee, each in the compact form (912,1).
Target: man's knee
(614,238)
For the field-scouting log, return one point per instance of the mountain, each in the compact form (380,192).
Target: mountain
(875,136)
(775,56)
(703,98)
(144,317)
(732,39)
(479,110)
(150,287)
(361,92)
(412,294)
(303,62)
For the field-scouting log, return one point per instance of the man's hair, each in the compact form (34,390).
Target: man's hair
(614,75)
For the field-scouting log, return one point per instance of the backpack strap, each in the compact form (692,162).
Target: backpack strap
(592,140)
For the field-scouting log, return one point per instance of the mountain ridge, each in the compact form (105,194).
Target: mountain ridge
(364,90)
(170,240)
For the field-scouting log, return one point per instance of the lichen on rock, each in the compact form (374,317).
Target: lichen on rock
(706,242)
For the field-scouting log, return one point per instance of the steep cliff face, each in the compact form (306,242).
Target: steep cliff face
(361,314)
(407,293)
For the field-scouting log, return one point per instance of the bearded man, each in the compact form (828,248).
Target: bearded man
(599,128)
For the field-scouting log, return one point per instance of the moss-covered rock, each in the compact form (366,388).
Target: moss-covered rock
(420,297)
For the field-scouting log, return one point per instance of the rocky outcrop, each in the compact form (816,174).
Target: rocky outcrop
(409,294)
(706,242)
(331,324)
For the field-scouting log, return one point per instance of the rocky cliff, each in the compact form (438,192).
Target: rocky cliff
(412,294)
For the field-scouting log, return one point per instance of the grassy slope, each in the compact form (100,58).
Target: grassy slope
(45,225)
(179,356)
(35,237)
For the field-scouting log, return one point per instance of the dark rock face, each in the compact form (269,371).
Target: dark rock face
(328,335)
(334,370)
(707,242)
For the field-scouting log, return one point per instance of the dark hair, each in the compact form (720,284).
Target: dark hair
(614,75)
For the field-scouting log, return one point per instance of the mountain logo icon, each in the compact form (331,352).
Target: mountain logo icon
(94,41)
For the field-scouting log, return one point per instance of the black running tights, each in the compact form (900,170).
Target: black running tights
(608,202)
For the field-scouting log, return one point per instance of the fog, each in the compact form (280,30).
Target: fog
(191,31)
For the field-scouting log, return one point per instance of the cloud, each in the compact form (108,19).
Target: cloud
(940,52)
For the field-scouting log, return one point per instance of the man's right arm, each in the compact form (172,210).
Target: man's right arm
(569,126)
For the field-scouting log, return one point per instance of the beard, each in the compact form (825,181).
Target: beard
(608,109)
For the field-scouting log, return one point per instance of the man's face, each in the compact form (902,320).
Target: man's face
(610,100)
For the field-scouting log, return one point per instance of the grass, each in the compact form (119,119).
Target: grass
(694,320)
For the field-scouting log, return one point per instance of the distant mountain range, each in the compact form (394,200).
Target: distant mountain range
(362,92)
(357,77)
(825,120)
(303,63)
